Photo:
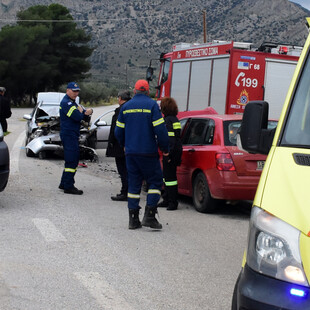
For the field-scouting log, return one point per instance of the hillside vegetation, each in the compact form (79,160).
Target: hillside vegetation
(127,34)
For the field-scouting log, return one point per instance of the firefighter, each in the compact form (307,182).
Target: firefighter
(141,129)
(71,115)
(169,109)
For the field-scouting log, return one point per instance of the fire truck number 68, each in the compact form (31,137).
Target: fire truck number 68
(245,82)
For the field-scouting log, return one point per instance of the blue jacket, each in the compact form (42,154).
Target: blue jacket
(141,128)
(70,117)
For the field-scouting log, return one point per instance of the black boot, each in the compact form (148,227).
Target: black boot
(149,219)
(172,206)
(163,204)
(134,221)
(120,197)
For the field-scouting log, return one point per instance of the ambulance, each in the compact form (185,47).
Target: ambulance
(275,270)
(226,75)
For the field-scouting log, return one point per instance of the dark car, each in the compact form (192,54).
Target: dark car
(213,168)
(4,162)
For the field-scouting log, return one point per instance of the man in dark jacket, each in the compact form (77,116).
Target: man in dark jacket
(117,151)
(141,129)
(5,109)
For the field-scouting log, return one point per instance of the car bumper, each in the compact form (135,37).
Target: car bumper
(229,186)
(45,143)
(255,291)
(4,165)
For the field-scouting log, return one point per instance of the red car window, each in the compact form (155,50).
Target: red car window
(198,132)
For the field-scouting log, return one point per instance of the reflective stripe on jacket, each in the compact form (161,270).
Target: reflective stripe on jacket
(141,128)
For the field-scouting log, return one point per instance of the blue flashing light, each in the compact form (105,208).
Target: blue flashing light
(297,292)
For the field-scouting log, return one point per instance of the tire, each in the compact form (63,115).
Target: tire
(203,202)
(29,153)
(42,155)
(234,303)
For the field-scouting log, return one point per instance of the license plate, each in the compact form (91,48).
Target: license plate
(260,164)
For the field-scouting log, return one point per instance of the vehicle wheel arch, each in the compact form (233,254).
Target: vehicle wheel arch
(194,175)
(202,200)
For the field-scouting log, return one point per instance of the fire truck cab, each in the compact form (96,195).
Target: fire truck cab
(226,75)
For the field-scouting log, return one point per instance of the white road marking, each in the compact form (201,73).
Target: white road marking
(48,230)
(15,152)
(102,291)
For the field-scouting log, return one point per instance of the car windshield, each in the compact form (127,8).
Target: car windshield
(230,132)
(297,128)
(231,128)
(107,117)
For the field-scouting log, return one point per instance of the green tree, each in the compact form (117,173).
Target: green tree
(43,51)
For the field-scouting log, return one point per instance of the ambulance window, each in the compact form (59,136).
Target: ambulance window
(297,128)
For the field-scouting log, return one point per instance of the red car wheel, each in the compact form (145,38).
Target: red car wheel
(203,202)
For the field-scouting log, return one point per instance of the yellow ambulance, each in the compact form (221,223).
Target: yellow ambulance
(275,270)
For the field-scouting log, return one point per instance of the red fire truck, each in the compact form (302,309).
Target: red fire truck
(226,75)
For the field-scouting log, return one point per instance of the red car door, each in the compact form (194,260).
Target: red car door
(198,151)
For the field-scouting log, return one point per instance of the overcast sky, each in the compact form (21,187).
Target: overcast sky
(304,3)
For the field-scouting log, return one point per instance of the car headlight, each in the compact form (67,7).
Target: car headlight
(273,248)
(38,133)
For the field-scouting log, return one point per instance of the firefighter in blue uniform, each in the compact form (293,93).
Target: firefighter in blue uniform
(71,115)
(141,129)
(170,110)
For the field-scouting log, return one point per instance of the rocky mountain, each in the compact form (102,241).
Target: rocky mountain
(127,34)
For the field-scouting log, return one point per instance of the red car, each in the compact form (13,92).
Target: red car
(213,168)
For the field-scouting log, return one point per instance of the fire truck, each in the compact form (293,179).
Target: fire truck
(226,75)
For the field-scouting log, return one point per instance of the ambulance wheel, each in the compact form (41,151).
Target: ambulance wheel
(29,153)
(203,202)
(234,300)
(234,305)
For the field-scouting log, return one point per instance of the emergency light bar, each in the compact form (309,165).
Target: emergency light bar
(297,292)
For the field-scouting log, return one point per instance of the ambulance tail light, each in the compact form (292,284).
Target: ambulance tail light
(224,162)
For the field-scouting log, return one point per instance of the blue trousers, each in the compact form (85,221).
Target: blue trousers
(141,168)
(71,156)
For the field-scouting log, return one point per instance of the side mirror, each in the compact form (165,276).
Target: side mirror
(149,74)
(254,135)
(101,123)
(27,117)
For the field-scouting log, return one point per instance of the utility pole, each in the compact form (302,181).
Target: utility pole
(126,72)
(204,26)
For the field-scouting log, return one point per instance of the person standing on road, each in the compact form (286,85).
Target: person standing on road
(5,109)
(117,151)
(71,115)
(141,129)
(170,110)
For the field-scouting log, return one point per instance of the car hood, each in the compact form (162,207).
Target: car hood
(285,185)
(50,110)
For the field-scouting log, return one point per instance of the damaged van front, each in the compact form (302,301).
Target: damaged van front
(275,270)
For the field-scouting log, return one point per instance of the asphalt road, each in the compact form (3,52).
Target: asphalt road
(63,251)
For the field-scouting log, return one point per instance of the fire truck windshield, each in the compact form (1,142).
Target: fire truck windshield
(165,71)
